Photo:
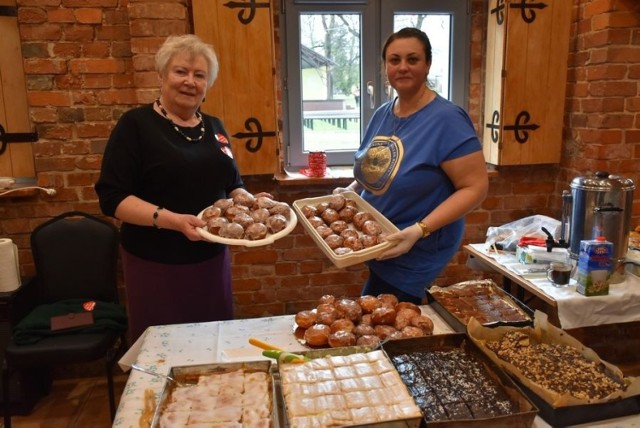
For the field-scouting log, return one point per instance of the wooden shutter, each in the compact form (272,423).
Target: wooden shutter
(17,157)
(243,96)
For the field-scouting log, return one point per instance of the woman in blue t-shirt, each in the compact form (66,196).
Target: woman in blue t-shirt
(421,165)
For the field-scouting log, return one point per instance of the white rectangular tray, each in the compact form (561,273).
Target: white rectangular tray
(355,257)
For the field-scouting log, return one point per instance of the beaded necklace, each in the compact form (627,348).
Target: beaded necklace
(166,115)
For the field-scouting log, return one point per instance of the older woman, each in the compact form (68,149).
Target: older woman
(164,163)
(421,165)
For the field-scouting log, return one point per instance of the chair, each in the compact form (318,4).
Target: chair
(75,258)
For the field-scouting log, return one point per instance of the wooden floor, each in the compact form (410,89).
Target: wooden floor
(73,403)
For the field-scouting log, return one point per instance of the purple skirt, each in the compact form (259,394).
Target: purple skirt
(159,294)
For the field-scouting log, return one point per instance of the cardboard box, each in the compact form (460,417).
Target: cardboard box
(594,267)
(532,254)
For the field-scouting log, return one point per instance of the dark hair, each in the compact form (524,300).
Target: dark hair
(407,33)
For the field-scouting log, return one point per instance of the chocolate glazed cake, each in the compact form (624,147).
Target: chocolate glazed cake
(452,385)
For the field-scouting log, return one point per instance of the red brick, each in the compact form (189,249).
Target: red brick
(97,81)
(610,121)
(614,20)
(596,7)
(89,16)
(157,10)
(93,130)
(40,32)
(48,98)
(57,132)
(61,15)
(96,65)
(66,50)
(45,66)
(80,179)
(147,80)
(149,28)
(606,72)
(96,49)
(43,115)
(123,81)
(90,3)
(79,33)
(113,32)
(257,257)
(613,89)
(91,162)
(284,269)
(250,284)
(32,15)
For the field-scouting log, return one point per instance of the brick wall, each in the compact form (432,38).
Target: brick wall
(87,61)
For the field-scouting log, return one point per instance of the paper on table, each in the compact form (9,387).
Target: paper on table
(621,305)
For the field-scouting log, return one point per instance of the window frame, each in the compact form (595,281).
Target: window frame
(374,26)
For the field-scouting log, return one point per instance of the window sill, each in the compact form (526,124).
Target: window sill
(335,176)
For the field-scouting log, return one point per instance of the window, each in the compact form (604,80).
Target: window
(334,77)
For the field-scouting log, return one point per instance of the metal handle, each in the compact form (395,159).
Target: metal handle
(372,95)
(388,89)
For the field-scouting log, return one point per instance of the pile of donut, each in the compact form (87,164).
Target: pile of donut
(246,217)
(364,321)
(332,220)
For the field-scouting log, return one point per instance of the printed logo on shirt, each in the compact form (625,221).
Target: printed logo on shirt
(377,166)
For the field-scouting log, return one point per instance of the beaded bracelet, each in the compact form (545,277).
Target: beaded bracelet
(156,213)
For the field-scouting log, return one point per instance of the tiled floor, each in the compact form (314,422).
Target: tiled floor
(73,403)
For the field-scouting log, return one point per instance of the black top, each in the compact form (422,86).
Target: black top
(147,158)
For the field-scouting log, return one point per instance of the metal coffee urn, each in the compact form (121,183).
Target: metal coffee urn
(601,205)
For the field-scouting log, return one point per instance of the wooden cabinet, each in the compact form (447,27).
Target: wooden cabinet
(243,96)
(526,75)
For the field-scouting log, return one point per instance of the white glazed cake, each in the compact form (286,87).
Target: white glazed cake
(347,390)
(234,399)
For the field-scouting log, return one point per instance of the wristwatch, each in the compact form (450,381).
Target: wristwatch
(425,229)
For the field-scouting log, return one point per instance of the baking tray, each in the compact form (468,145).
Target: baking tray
(571,414)
(458,324)
(581,414)
(344,351)
(190,375)
(355,257)
(526,410)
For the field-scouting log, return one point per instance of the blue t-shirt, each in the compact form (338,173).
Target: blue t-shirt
(398,163)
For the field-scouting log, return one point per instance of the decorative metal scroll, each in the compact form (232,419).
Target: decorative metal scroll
(252,124)
(15,137)
(520,128)
(8,11)
(494,126)
(248,9)
(527,10)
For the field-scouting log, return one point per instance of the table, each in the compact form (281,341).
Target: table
(162,347)
(564,306)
